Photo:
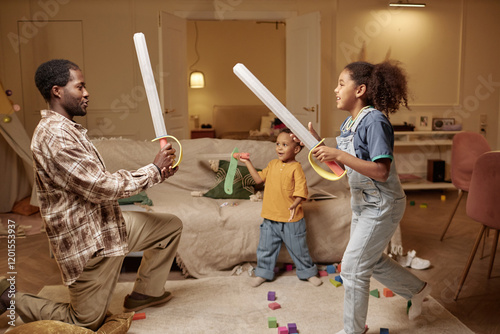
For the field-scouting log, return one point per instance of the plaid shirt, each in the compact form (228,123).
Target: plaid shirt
(78,197)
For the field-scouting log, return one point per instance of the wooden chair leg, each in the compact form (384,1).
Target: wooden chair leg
(493,251)
(460,195)
(469,262)
(485,236)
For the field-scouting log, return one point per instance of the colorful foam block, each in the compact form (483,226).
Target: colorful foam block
(443,198)
(139,316)
(388,293)
(289,267)
(271,322)
(292,328)
(271,295)
(339,279)
(282,330)
(412,203)
(334,282)
(323,273)
(339,268)
(375,293)
(331,269)
(384,330)
(274,306)
(423,205)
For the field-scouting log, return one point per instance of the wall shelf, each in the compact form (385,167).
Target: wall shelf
(412,150)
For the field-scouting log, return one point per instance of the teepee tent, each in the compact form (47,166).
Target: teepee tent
(16,171)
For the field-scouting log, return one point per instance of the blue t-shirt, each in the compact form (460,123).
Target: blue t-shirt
(374,137)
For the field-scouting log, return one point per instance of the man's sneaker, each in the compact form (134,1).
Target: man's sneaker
(131,304)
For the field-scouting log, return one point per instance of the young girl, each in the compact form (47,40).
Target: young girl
(365,147)
(286,188)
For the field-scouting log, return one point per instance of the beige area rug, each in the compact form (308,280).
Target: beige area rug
(221,305)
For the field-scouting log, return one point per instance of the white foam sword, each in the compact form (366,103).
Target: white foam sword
(289,120)
(152,94)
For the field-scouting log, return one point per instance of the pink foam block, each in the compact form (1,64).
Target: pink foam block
(139,316)
(274,306)
(282,330)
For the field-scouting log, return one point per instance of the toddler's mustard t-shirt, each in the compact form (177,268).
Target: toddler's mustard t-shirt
(283,182)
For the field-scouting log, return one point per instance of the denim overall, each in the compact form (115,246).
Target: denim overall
(377,208)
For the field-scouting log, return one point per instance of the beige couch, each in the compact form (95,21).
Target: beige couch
(220,234)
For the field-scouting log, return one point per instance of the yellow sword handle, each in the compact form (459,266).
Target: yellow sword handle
(338,172)
(163,142)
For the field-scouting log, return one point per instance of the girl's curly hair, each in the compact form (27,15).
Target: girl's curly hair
(386,84)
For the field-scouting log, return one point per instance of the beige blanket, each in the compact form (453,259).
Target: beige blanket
(219,234)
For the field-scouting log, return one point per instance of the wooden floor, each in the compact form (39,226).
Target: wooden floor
(478,305)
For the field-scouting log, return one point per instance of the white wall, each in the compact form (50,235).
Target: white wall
(451,49)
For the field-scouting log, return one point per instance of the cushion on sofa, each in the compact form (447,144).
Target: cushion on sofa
(242,185)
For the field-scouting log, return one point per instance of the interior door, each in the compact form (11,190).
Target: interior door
(66,42)
(303,75)
(173,79)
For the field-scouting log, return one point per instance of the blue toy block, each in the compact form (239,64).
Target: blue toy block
(331,269)
(339,279)
(384,330)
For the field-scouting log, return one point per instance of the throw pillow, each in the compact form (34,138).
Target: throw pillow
(113,324)
(242,185)
(141,198)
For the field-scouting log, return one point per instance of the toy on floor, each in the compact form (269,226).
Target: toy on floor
(271,296)
(282,330)
(335,282)
(375,293)
(274,306)
(331,269)
(139,316)
(292,328)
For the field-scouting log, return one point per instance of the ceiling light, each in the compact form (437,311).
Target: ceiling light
(406,4)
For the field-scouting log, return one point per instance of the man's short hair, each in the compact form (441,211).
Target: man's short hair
(52,73)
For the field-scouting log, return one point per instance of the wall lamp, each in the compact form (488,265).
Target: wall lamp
(196,78)
(406,4)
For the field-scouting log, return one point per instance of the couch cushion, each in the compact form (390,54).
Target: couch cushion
(242,185)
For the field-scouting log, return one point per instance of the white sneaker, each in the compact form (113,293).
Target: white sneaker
(414,262)
(417,300)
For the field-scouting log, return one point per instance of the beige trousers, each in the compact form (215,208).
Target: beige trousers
(156,234)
